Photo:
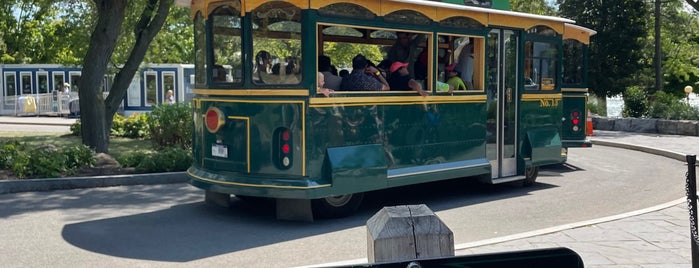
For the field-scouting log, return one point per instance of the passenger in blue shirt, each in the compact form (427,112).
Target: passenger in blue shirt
(363,77)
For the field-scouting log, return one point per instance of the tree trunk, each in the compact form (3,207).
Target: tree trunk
(149,25)
(96,113)
(95,133)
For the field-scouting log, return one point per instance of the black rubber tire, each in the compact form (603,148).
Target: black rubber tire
(337,206)
(530,175)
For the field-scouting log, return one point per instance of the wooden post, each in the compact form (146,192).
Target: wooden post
(407,233)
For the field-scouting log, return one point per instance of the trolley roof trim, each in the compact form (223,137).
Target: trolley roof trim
(188,3)
(483,10)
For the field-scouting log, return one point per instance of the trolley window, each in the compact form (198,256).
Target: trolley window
(381,48)
(200,49)
(227,46)
(276,44)
(541,59)
(460,61)
(573,62)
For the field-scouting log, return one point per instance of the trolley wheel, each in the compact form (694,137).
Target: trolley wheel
(337,206)
(530,175)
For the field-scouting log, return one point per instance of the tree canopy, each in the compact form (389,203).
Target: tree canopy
(49,31)
(616,51)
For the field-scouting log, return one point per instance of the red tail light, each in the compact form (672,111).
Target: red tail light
(283,155)
(214,119)
(575,120)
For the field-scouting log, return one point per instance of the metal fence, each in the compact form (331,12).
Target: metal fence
(59,104)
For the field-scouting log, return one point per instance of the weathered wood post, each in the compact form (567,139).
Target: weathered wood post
(407,233)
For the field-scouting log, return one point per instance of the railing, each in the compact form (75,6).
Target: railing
(691,188)
(59,104)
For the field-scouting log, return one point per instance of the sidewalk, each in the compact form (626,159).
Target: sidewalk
(37,120)
(653,237)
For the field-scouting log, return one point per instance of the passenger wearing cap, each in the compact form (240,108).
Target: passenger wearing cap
(399,79)
(453,79)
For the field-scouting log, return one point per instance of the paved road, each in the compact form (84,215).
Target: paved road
(165,225)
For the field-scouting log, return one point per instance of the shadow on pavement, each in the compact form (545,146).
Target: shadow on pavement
(195,231)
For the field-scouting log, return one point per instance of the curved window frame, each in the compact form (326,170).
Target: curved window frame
(226,66)
(200,76)
(574,56)
(542,60)
(276,45)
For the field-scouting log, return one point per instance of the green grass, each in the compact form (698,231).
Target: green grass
(117,146)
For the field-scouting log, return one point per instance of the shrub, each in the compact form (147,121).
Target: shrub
(595,106)
(136,126)
(168,160)
(8,152)
(118,122)
(171,125)
(635,103)
(42,162)
(76,128)
(668,106)
(78,156)
(132,159)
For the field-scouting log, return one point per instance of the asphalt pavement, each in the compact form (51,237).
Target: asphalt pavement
(658,236)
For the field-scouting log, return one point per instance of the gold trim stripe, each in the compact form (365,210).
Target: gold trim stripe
(394,100)
(537,97)
(257,185)
(247,123)
(253,92)
(250,101)
(574,90)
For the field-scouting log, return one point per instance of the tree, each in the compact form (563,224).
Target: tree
(540,7)
(680,42)
(97,112)
(616,51)
(33,31)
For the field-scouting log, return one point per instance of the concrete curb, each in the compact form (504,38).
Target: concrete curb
(51,184)
(650,150)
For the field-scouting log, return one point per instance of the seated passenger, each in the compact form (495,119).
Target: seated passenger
(262,74)
(343,73)
(332,81)
(384,67)
(285,73)
(400,79)
(363,77)
(219,73)
(465,63)
(405,49)
(321,83)
(453,78)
